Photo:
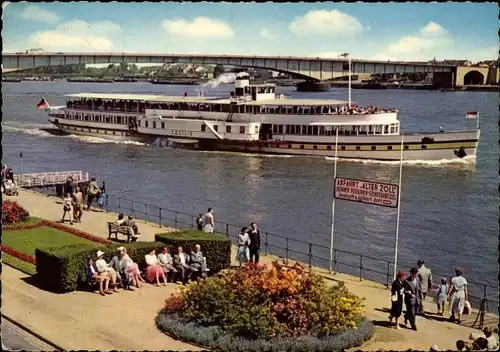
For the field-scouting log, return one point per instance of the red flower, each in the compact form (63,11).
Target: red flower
(19,255)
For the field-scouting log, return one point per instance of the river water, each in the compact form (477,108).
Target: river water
(449,211)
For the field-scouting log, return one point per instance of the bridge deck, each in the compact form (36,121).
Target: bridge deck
(47,179)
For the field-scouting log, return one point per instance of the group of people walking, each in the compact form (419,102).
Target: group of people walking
(412,292)
(248,245)
(74,199)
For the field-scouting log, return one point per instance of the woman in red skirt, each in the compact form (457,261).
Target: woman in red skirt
(154,270)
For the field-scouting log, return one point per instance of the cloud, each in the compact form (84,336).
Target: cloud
(265,34)
(325,22)
(35,13)
(200,27)
(490,53)
(77,35)
(427,43)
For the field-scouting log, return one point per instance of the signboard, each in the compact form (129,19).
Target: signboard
(384,194)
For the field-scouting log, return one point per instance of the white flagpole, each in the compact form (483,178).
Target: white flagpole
(349,81)
(399,210)
(333,200)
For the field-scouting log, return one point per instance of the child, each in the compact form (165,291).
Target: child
(67,204)
(103,198)
(441,295)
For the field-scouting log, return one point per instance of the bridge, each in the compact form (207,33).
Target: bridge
(316,69)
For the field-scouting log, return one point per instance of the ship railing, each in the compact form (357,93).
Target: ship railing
(49,178)
(363,266)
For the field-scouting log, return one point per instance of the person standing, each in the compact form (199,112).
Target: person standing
(397,297)
(208,221)
(199,222)
(78,204)
(243,254)
(254,235)
(458,295)
(67,208)
(425,277)
(413,297)
(442,293)
(92,192)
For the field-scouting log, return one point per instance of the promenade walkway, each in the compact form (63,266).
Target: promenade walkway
(125,321)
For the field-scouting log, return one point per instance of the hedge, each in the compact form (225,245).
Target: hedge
(215,247)
(62,269)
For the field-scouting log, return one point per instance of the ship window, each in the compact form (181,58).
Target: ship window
(118,119)
(163,125)
(228,129)
(315,147)
(386,129)
(393,128)
(275,129)
(287,129)
(315,130)
(114,133)
(309,130)
(146,124)
(342,147)
(242,129)
(304,129)
(370,129)
(203,128)
(423,146)
(139,123)
(301,146)
(216,128)
(86,117)
(256,129)
(328,147)
(154,124)
(289,146)
(358,147)
(389,147)
(107,119)
(374,147)
(406,147)
(280,129)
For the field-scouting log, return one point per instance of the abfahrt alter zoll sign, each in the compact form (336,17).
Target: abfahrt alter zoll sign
(384,194)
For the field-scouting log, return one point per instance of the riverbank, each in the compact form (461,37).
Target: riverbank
(45,312)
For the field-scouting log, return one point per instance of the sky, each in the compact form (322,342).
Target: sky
(385,31)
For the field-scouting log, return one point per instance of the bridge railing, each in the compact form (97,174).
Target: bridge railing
(363,266)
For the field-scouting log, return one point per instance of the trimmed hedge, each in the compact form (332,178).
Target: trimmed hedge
(215,247)
(62,269)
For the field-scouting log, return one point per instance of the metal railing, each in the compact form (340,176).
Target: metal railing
(363,266)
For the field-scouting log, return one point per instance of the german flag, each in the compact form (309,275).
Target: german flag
(42,104)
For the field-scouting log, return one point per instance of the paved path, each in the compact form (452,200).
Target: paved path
(125,321)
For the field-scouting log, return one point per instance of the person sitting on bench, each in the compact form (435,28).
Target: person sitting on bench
(104,269)
(122,275)
(166,262)
(120,220)
(131,223)
(198,261)
(93,274)
(181,263)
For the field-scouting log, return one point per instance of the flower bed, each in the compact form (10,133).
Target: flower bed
(24,257)
(266,308)
(13,213)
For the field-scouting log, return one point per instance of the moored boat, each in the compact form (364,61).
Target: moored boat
(256,119)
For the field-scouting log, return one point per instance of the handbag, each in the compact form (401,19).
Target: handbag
(467,308)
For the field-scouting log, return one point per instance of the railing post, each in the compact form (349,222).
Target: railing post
(192,221)
(133,213)
(286,254)
(176,220)
(265,245)
(334,261)
(310,255)
(227,229)
(159,216)
(388,273)
(145,213)
(360,268)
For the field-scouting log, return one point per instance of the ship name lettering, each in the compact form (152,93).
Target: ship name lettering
(182,133)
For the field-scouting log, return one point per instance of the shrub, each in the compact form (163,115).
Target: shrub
(216,338)
(215,247)
(13,213)
(263,302)
(63,268)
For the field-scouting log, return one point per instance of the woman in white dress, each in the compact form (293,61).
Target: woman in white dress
(131,268)
(243,254)
(458,295)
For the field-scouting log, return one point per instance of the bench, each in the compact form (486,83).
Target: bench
(115,229)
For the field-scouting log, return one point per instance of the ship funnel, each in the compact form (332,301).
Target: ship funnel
(242,80)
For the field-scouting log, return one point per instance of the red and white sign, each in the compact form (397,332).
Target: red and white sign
(472,114)
(384,194)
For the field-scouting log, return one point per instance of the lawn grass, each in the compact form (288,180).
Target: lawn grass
(43,237)
(18,263)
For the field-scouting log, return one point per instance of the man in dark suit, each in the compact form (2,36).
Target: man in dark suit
(181,264)
(254,247)
(413,297)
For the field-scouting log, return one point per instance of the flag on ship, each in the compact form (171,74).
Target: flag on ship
(472,115)
(42,104)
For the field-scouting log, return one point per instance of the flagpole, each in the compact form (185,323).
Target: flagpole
(399,210)
(333,200)
(477,122)
(349,81)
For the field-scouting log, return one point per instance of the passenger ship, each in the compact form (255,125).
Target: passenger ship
(255,119)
